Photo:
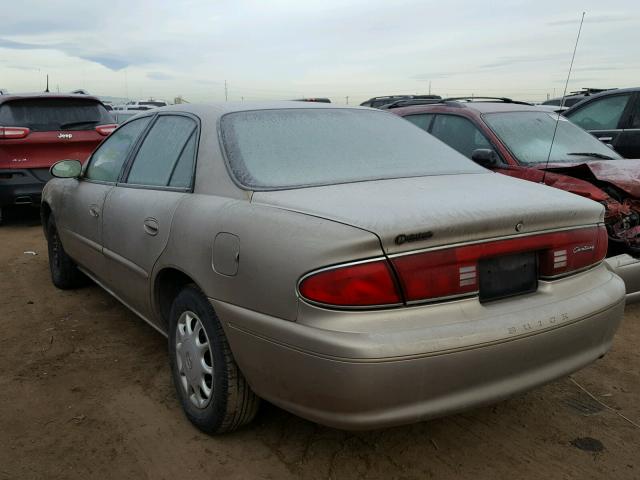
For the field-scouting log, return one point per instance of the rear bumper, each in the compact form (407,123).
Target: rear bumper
(23,187)
(627,268)
(376,378)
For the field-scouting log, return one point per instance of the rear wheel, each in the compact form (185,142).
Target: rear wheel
(64,272)
(214,394)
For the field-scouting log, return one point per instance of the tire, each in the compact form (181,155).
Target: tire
(64,272)
(225,402)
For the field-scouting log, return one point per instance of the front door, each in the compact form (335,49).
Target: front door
(82,213)
(605,118)
(139,211)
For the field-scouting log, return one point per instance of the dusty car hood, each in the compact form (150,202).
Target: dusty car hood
(440,210)
(623,173)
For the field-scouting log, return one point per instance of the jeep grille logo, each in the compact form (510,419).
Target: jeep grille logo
(68,136)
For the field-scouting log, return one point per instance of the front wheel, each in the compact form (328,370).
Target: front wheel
(214,394)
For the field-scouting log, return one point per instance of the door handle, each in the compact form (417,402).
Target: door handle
(151,226)
(605,139)
(93,211)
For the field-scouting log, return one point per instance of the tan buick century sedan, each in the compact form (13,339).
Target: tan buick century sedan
(338,262)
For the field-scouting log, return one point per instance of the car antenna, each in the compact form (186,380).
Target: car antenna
(564,94)
(47,89)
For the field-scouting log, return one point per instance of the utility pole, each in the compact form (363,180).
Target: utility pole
(242,98)
(346,99)
(429,87)
(226,92)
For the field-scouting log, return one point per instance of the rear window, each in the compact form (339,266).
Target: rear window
(275,149)
(47,114)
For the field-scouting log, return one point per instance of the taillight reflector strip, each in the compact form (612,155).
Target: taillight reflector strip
(357,285)
(439,273)
(14,132)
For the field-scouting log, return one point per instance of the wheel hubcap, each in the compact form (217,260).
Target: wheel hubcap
(194,359)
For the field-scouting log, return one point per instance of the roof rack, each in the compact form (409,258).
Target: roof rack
(589,91)
(493,99)
(409,102)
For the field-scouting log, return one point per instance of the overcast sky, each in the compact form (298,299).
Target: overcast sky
(280,49)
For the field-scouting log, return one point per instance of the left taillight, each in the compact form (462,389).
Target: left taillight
(106,130)
(14,132)
(367,284)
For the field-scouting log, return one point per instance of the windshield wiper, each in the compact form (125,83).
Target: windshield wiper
(64,126)
(592,154)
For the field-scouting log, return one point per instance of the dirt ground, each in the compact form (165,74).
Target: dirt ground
(85,392)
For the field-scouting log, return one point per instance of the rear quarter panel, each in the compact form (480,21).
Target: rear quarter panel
(277,247)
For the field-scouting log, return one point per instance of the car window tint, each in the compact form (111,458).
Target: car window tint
(601,114)
(158,154)
(183,171)
(459,133)
(422,120)
(108,159)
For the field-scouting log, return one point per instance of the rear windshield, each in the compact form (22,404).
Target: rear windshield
(46,114)
(271,149)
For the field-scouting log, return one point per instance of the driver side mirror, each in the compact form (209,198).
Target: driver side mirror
(485,157)
(66,169)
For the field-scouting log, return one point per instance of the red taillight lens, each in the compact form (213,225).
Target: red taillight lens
(106,129)
(13,132)
(453,271)
(363,284)
(450,272)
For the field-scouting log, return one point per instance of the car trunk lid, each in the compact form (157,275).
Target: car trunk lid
(416,213)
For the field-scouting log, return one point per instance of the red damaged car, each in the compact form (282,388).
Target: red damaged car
(514,138)
(37,130)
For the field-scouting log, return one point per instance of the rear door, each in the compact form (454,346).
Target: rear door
(139,210)
(606,118)
(58,128)
(80,219)
(460,133)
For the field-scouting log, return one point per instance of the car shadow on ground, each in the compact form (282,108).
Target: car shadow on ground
(27,216)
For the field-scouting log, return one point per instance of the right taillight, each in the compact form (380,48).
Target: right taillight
(449,272)
(573,250)
(13,132)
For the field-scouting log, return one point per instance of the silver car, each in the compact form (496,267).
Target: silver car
(337,262)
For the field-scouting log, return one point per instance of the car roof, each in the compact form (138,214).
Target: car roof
(21,96)
(212,111)
(478,107)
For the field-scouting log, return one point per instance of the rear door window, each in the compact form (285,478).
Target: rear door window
(52,114)
(165,158)
(107,161)
(601,114)
(459,133)
(422,120)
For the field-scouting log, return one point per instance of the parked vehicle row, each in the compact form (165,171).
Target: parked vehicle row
(335,261)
